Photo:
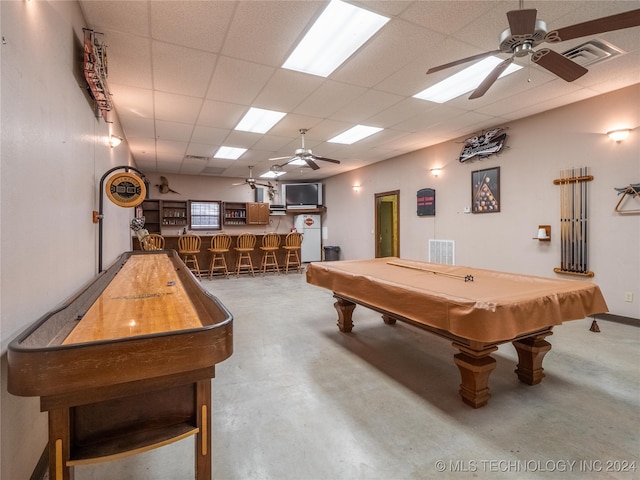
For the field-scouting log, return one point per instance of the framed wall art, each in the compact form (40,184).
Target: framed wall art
(485,190)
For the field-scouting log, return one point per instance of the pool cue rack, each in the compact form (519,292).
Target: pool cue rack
(573,222)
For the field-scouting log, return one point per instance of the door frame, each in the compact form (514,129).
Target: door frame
(395,241)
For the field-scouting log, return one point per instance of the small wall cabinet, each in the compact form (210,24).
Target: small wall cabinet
(174,213)
(257,213)
(252,213)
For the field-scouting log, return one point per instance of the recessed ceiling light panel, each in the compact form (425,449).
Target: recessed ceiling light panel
(258,120)
(464,81)
(339,31)
(354,134)
(230,153)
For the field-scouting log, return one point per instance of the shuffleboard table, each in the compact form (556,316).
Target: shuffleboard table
(126,365)
(476,309)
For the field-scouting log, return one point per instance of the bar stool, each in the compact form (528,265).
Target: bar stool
(189,248)
(220,245)
(151,242)
(244,246)
(270,245)
(292,245)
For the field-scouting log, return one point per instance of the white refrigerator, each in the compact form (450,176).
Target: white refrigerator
(309,226)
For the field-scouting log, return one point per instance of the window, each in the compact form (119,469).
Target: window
(205,215)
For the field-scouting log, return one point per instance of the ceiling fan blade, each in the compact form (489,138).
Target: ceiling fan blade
(461,61)
(490,79)
(522,22)
(311,163)
(252,185)
(280,158)
(325,159)
(595,27)
(558,64)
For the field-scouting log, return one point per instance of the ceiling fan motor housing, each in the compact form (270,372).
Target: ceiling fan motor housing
(521,45)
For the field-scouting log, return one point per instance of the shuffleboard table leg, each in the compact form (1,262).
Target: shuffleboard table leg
(203,438)
(475,367)
(531,351)
(345,311)
(60,444)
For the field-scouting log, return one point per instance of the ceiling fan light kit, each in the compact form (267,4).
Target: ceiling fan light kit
(526,32)
(303,156)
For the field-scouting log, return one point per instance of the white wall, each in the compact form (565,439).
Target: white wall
(53,155)
(539,147)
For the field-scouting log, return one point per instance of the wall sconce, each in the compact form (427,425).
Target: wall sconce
(618,135)
(114,141)
(435,171)
(356,188)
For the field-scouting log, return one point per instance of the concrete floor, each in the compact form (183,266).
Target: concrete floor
(299,400)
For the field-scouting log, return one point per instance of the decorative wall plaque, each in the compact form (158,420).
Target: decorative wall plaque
(126,189)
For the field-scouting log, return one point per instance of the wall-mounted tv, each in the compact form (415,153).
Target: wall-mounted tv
(302,195)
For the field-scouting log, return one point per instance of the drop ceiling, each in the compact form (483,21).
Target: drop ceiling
(183,73)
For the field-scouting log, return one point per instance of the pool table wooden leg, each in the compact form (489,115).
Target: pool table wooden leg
(345,310)
(531,351)
(475,366)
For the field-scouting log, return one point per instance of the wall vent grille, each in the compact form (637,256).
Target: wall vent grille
(442,251)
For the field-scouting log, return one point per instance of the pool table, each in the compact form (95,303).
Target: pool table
(476,309)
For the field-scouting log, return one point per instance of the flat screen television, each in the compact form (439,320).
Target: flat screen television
(302,195)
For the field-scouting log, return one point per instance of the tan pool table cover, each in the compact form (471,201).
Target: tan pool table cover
(494,306)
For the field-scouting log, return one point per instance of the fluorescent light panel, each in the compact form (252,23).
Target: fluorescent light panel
(272,174)
(339,31)
(354,134)
(258,120)
(464,81)
(298,162)
(231,153)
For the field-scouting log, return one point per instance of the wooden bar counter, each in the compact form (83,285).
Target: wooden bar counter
(126,365)
(204,257)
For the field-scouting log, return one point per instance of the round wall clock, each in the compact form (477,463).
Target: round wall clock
(126,189)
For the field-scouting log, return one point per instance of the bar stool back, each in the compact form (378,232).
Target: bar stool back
(292,245)
(151,242)
(244,246)
(270,245)
(220,245)
(189,248)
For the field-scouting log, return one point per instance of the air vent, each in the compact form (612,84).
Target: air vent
(195,158)
(212,171)
(442,251)
(593,51)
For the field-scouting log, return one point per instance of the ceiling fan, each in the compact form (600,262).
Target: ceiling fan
(305,155)
(252,181)
(526,32)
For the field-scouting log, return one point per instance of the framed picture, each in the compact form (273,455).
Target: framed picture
(485,190)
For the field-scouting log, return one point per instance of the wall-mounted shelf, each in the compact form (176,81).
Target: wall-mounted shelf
(547,236)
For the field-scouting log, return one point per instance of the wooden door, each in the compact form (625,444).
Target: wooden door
(387,206)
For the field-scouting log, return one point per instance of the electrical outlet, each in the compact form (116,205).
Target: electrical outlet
(628,297)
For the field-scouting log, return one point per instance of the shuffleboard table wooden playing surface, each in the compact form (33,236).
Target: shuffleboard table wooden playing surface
(477,309)
(126,365)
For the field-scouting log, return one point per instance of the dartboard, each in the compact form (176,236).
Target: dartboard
(126,190)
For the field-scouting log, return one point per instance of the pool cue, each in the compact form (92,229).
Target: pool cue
(574,224)
(466,278)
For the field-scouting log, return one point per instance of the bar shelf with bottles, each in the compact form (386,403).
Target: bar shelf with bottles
(235,213)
